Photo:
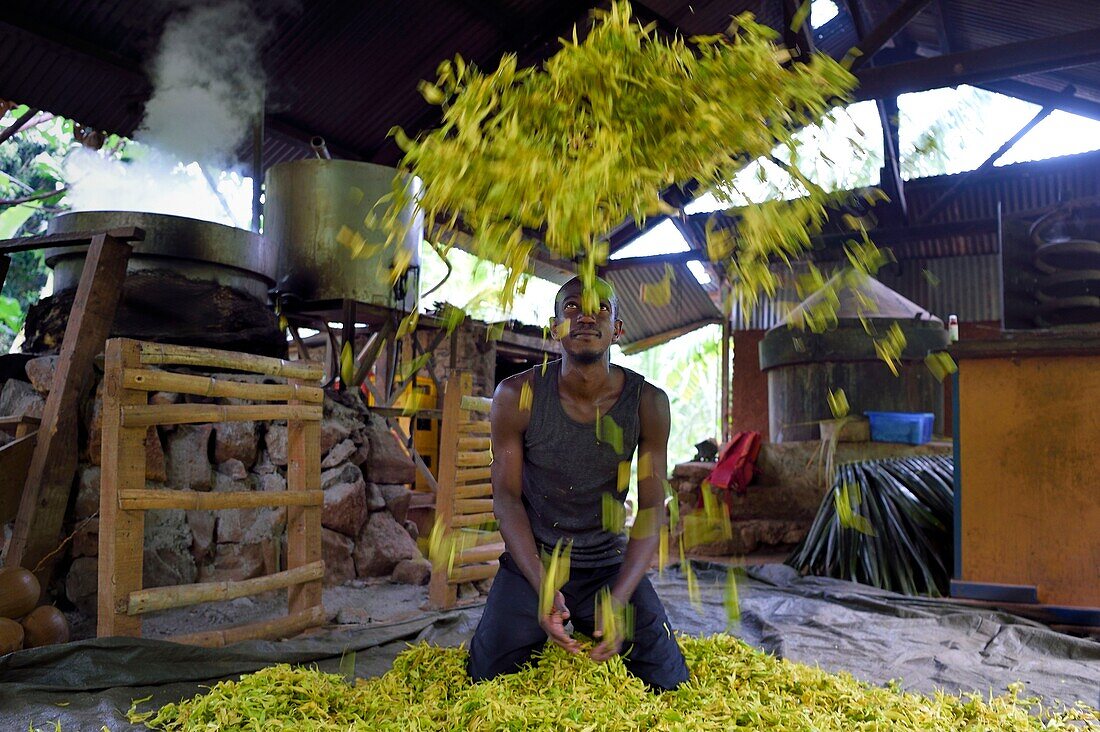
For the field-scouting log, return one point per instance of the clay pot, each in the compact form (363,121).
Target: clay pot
(11,636)
(19,592)
(44,626)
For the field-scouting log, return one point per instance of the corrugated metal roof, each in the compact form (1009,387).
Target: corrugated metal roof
(348,71)
(647,325)
(965,268)
(1019,187)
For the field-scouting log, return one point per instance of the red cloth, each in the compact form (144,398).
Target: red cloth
(736,463)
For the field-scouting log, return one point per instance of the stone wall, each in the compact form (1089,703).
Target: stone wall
(473,351)
(365,477)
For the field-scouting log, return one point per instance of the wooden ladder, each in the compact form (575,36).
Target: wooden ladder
(464,501)
(129,378)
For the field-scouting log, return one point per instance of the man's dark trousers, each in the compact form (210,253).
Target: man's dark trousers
(509,632)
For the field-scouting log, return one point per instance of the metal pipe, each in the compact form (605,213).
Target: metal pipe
(726,377)
(257,169)
(320,149)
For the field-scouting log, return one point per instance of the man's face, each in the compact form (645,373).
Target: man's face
(585,337)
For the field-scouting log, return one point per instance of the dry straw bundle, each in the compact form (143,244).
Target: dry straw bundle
(732,686)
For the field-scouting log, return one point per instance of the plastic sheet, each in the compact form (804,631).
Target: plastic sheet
(875,635)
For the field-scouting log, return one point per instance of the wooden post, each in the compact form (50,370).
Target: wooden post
(303,523)
(5,263)
(50,478)
(121,532)
(727,390)
(441,592)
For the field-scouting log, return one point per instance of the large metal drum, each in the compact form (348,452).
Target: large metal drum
(309,203)
(803,367)
(189,282)
(198,250)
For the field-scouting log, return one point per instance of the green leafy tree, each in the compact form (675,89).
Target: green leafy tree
(32,190)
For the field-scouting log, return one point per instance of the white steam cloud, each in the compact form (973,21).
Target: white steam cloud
(208,92)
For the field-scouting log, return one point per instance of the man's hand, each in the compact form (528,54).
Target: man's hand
(553,625)
(610,632)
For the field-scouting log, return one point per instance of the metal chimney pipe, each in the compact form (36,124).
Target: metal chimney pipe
(320,149)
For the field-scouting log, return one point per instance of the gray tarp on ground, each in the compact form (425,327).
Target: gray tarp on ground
(877,636)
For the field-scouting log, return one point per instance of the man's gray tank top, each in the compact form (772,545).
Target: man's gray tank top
(568,466)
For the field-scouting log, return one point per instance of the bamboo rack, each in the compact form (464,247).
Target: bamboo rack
(128,380)
(464,503)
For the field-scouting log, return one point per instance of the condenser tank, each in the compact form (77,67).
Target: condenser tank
(316,213)
(803,366)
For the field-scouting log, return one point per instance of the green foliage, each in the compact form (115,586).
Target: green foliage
(687,368)
(11,315)
(31,166)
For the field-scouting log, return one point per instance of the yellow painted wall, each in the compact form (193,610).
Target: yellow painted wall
(1030,457)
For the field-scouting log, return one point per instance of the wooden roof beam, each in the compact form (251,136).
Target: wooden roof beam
(881,34)
(1045,97)
(980,66)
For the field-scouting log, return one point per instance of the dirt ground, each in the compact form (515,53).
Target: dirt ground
(359,602)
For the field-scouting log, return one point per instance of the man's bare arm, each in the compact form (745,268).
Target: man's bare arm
(509,422)
(653,413)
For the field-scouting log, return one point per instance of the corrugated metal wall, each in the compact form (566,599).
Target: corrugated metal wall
(968,287)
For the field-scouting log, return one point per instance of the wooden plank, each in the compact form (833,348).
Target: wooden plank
(69,239)
(481,538)
(143,499)
(50,475)
(465,506)
(149,380)
(482,553)
(154,414)
(474,459)
(474,490)
(476,404)
(473,572)
(165,353)
(394,412)
(165,598)
(121,533)
(473,519)
(303,526)
(472,427)
(473,443)
(282,627)
(994,592)
(465,475)
(7,423)
(441,594)
(15,460)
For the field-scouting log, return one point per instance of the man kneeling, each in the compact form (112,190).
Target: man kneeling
(559,434)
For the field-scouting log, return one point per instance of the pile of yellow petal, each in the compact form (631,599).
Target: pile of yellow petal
(732,686)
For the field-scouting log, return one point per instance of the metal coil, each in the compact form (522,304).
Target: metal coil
(1068,260)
